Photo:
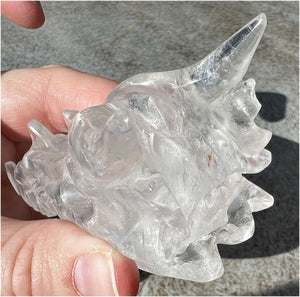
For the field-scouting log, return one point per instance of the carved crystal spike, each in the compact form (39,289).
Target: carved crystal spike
(157,170)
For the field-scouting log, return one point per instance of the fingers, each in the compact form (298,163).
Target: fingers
(55,257)
(43,94)
(28,14)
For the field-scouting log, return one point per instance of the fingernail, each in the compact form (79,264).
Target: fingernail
(93,275)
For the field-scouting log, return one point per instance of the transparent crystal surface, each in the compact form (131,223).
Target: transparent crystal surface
(157,170)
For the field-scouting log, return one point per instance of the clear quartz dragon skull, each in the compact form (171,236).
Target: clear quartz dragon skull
(157,170)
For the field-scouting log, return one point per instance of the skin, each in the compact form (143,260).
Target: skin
(38,254)
(28,14)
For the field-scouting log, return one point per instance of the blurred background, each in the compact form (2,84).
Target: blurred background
(119,39)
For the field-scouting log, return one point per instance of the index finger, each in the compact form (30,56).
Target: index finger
(28,14)
(43,93)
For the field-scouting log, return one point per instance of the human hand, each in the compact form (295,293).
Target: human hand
(51,256)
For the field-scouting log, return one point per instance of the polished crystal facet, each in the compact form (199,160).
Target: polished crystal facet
(157,170)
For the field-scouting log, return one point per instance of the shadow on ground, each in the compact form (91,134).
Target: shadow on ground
(276,228)
(143,275)
(289,289)
(273,106)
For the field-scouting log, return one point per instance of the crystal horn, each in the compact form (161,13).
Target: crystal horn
(39,132)
(226,66)
(68,116)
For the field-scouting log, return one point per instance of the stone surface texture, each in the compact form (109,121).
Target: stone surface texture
(118,40)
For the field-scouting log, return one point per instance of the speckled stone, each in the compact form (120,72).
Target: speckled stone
(241,277)
(120,39)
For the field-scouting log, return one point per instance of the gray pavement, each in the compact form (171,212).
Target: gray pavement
(120,39)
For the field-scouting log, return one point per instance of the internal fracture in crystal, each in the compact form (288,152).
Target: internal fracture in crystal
(157,170)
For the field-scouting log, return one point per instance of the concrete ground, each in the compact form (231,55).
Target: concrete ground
(120,39)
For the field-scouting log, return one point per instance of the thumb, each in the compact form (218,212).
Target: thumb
(55,257)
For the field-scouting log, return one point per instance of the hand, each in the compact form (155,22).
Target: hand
(51,256)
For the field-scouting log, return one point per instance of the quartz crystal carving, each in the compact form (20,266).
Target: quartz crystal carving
(157,170)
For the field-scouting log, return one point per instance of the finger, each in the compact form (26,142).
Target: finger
(55,257)
(43,94)
(28,14)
